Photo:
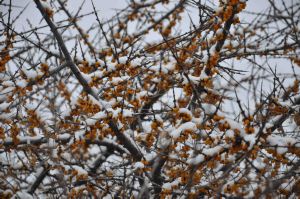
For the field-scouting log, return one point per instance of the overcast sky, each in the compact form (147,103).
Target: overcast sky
(107,8)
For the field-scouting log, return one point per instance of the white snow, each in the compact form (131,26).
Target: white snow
(258,163)
(185,111)
(281,141)
(212,151)
(203,74)
(110,66)
(127,113)
(52,143)
(21,83)
(168,185)
(5,91)
(185,126)
(164,140)
(95,101)
(229,133)
(123,60)
(118,80)
(97,73)
(219,32)
(235,43)
(239,31)
(23,195)
(8,83)
(4,77)
(196,160)
(94,150)
(138,165)
(251,138)
(4,105)
(209,108)
(17,165)
(205,58)
(80,170)
(87,77)
(26,139)
(31,179)
(30,74)
(45,5)
(64,136)
(170,66)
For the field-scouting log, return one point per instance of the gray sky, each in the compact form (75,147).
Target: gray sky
(107,8)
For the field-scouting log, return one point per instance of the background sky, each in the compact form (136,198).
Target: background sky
(106,8)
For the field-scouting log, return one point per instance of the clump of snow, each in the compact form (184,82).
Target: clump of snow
(150,156)
(136,62)
(281,142)
(196,160)
(209,108)
(52,143)
(118,80)
(31,106)
(170,67)
(219,32)
(212,151)
(94,150)
(31,179)
(30,74)
(138,165)
(288,185)
(21,83)
(185,126)
(64,136)
(234,125)
(4,77)
(80,170)
(229,133)
(45,5)
(123,60)
(185,111)
(235,43)
(169,185)
(4,105)
(94,100)
(23,195)
(239,31)
(127,113)
(258,163)
(17,165)
(87,77)
(251,138)
(8,83)
(164,140)
(158,69)
(110,66)
(97,73)
(197,120)
(143,93)
(4,92)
